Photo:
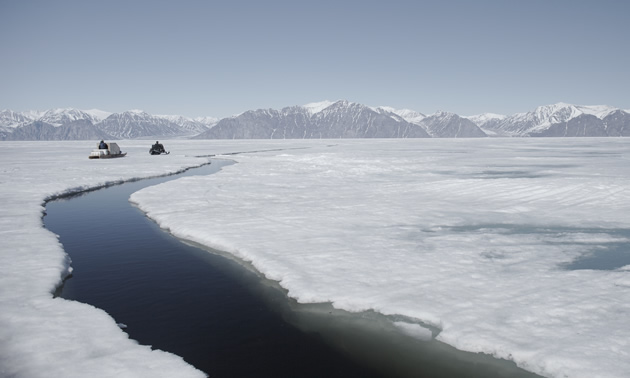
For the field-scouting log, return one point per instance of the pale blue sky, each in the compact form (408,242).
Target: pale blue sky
(211,58)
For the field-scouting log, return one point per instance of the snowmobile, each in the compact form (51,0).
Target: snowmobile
(112,151)
(158,149)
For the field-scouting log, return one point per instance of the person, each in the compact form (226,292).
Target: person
(102,145)
(157,148)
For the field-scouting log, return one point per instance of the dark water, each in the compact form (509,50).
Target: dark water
(221,317)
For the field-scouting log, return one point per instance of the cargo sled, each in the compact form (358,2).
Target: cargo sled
(112,151)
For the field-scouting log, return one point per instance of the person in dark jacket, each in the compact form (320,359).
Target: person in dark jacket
(157,148)
(102,145)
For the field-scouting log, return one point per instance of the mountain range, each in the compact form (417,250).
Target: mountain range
(71,124)
(326,120)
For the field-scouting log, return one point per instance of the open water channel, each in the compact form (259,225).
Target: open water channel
(219,314)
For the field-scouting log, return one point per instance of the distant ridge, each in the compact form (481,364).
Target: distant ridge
(549,119)
(341,119)
(74,124)
(325,120)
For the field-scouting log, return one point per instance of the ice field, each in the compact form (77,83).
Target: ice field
(45,337)
(475,237)
(519,248)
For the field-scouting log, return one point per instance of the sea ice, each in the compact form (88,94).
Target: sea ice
(470,236)
(42,336)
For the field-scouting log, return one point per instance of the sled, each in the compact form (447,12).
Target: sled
(112,151)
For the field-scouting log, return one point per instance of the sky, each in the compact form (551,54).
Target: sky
(220,58)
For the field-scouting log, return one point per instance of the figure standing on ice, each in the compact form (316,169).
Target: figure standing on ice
(157,149)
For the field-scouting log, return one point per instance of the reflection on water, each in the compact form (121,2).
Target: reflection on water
(219,314)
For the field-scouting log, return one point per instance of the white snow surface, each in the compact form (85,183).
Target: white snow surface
(42,336)
(470,236)
(466,235)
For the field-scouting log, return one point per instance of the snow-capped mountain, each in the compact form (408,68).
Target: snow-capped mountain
(487,121)
(192,125)
(614,124)
(483,118)
(98,114)
(37,125)
(81,129)
(316,107)
(617,123)
(10,119)
(58,117)
(206,121)
(66,124)
(139,124)
(542,118)
(325,119)
(408,115)
(340,119)
(450,125)
(352,120)
(438,125)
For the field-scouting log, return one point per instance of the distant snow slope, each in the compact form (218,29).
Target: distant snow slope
(324,119)
(407,114)
(543,117)
(316,107)
(480,119)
